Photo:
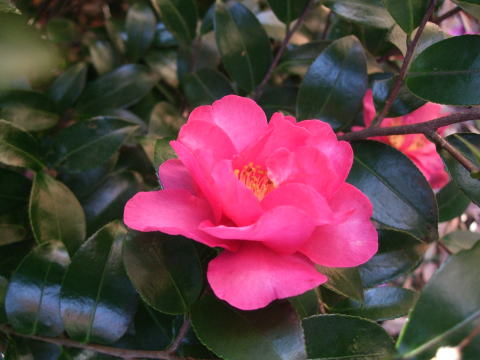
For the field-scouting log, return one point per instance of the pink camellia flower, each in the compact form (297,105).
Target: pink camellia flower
(416,146)
(272,195)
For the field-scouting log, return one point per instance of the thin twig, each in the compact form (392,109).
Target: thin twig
(289,33)
(403,70)
(454,152)
(474,333)
(180,336)
(442,246)
(118,352)
(419,128)
(448,14)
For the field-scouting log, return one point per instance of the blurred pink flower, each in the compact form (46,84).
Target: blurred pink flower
(416,146)
(272,195)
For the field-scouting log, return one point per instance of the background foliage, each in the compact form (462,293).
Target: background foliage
(92,91)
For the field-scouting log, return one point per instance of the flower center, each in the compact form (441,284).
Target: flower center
(255,178)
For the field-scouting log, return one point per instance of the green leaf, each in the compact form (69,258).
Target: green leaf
(403,104)
(276,99)
(12,254)
(103,56)
(105,203)
(32,302)
(443,317)
(381,303)
(11,233)
(97,300)
(140,26)
(55,213)
(66,88)
(365,12)
(14,190)
(62,30)
(273,332)
(163,62)
(344,281)
(299,57)
(180,17)
(205,86)
(18,148)
(345,337)
(460,240)
(162,152)
(165,120)
(3,292)
(163,38)
(461,176)
(401,196)
(470,6)
(243,44)
(120,88)
(89,144)
(398,253)
(30,111)
(287,10)
(306,304)
(408,14)
(27,349)
(165,270)
(452,202)
(335,83)
(437,76)
(431,34)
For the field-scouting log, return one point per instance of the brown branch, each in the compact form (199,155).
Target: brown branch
(475,332)
(283,46)
(456,154)
(448,14)
(180,336)
(108,350)
(419,128)
(403,70)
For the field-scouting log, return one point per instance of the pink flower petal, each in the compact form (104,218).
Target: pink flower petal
(234,114)
(283,228)
(350,242)
(238,202)
(175,212)
(174,175)
(303,197)
(254,276)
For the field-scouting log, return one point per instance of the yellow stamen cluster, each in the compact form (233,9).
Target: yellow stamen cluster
(256,179)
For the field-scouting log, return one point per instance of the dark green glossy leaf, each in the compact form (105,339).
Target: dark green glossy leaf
(445,317)
(153,330)
(469,185)
(381,303)
(431,34)
(120,88)
(408,14)
(403,104)
(437,76)
(344,281)
(306,304)
(32,302)
(276,99)
(55,213)
(180,17)
(11,233)
(140,26)
(460,240)
(335,83)
(452,202)
(3,292)
(345,337)
(105,203)
(165,270)
(66,88)
(12,254)
(401,196)
(165,120)
(30,111)
(365,12)
(164,63)
(163,38)
(89,144)
(205,86)
(26,349)
(14,190)
(302,56)
(97,300)
(287,10)
(273,332)
(398,253)
(103,56)
(243,44)
(470,6)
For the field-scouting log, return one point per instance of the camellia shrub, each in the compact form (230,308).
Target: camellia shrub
(239,180)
